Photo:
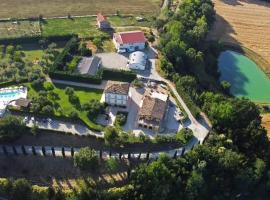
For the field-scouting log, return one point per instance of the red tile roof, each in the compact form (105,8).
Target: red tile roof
(101,18)
(130,37)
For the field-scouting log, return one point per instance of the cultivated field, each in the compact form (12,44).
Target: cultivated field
(266,123)
(49,8)
(244,22)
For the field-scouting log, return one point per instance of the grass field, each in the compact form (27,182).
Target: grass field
(245,23)
(85,95)
(19,29)
(86,26)
(49,8)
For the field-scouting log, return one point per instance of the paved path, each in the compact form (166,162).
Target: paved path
(59,125)
(86,85)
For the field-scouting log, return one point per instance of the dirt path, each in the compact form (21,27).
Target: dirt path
(244,22)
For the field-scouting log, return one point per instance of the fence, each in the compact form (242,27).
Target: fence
(69,152)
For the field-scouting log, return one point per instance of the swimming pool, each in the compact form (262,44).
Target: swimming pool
(9,94)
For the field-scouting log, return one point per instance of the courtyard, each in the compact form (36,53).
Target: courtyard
(170,124)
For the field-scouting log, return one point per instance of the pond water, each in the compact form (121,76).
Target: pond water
(246,78)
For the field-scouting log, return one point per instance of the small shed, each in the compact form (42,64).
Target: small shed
(102,22)
(137,60)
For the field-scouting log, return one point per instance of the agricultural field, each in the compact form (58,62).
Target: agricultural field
(266,123)
(52,8)
(244,23)
(15,29)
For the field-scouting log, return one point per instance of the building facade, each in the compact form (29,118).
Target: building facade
(153,109)
(129,41)
(117,93)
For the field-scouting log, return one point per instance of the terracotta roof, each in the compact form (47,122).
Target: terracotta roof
(152,109)
(130,37)
(117,87)
(101,18)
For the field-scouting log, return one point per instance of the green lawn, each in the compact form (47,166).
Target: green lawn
(85,95)
(84,27)
(130,21)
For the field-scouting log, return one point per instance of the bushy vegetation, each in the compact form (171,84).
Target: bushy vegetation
(86,159)
(21,189)
(184,135)
(121,118)
(14,66)
(11,128)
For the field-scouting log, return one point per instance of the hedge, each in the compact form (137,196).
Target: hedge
(69,49)
(103,74)
(76,77)
(10,83)
(118,75)
(32,39)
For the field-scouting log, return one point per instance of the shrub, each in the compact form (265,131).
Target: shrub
(21,190)
(84,51)
(73,115)
(72,66)
(86,158)
(10,49)
(111,136)
(5,186)
(69,91)
(11,128)
(184,135)
(226,86)
(48,86)
(93,108)
(121,118)
(47,109)
(37,84)
(65,56)
(74,99)
(112,164)
(39,192)
(98,42)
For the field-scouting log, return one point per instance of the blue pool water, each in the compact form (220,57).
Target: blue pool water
(8,94)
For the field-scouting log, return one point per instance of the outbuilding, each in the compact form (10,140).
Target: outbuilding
(137,60)
(102,22)
(129,41)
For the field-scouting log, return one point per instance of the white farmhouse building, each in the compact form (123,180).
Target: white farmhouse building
(117,93)
(129,41)
(137,60)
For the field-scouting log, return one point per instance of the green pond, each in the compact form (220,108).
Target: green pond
(246,78)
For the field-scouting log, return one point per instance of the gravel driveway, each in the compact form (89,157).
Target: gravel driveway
(113,60)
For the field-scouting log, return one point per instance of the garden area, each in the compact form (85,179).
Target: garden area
(17,63)
(16,29)
(60,100)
